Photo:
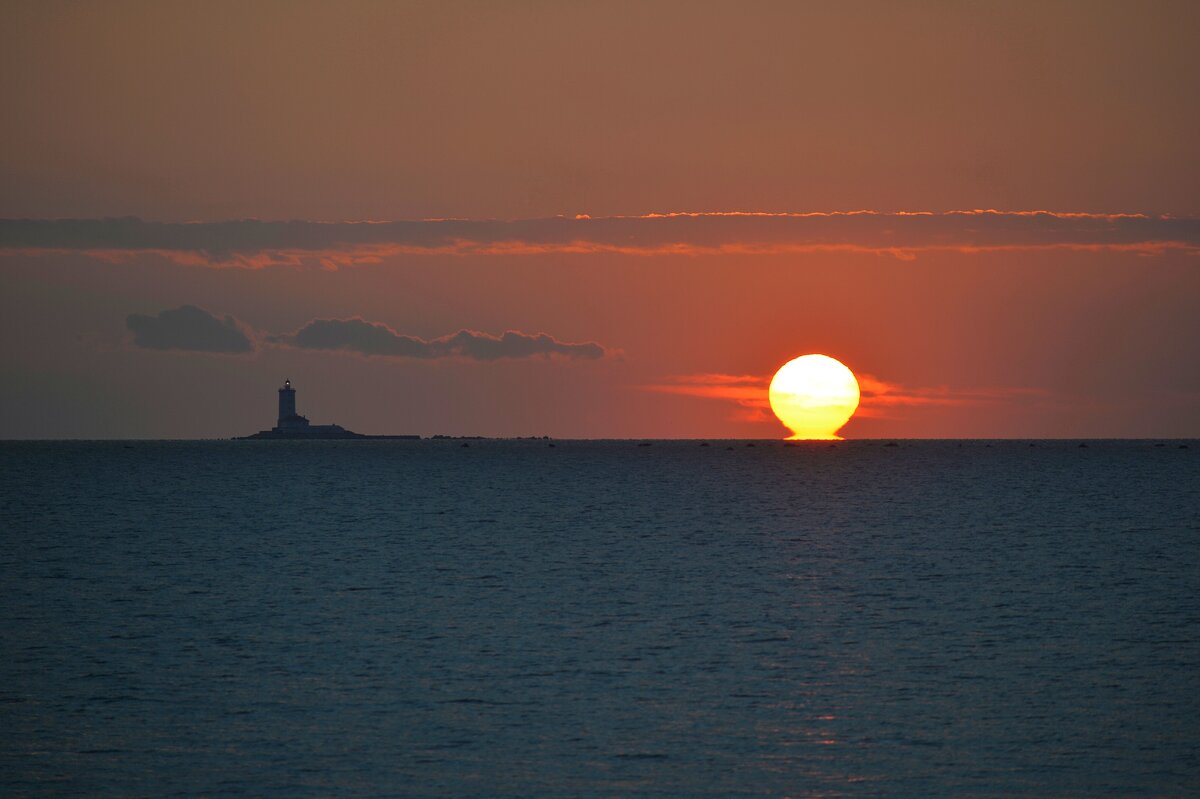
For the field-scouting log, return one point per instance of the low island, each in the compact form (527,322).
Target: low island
(292,425)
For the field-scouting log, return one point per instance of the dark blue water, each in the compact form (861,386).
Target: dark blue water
(599,619)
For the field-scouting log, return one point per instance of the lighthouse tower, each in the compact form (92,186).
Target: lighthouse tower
(292,425)
(287,408)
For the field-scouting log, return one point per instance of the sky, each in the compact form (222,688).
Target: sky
(598,219)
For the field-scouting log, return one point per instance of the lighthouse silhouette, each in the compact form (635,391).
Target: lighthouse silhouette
(292,425)
(288,418)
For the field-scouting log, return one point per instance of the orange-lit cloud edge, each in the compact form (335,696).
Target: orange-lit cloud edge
(254,244)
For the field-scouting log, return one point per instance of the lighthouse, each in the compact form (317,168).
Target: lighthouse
(288,418)
(292,425)
(287,401)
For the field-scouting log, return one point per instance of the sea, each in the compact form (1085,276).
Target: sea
(533,618)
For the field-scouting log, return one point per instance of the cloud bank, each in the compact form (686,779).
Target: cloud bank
(189,328)
(197,330)
(251,243)
(375,339)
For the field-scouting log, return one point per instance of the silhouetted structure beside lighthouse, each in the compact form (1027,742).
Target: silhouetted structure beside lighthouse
(292,425)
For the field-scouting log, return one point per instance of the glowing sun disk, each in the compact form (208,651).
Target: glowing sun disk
(814,395)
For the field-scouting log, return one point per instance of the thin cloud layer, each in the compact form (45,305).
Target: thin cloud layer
(252,243)
(189,328)
(375,339)
(749,394)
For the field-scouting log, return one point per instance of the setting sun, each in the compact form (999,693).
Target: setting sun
(814,395)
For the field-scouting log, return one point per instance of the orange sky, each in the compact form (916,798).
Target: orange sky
(958,323)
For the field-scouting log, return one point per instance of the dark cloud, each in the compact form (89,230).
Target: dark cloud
(189,328)
(195,329)
(372,338)
(252,243)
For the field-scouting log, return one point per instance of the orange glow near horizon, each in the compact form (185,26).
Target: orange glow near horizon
(814,396)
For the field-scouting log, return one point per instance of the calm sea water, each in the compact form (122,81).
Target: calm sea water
(595,619)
